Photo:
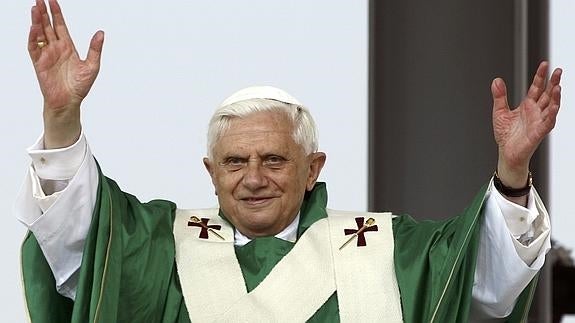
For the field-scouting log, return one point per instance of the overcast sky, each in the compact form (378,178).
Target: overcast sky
(167,64)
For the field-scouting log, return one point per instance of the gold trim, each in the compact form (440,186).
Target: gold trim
(453,268)
(359,231)
(528,305)
(97,314)
(22,278)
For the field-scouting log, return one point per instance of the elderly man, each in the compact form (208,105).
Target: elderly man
(271,251)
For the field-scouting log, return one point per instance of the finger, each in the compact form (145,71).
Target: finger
(36,33)
(36,17)
(95,50)
(538,85)
(550,117)
(499,93)
(554,80)
(550,114)
(33,48)
(544,100)
(46,23)
(556,97)
(58,21)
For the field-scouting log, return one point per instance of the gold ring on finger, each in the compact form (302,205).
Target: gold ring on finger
(42,44)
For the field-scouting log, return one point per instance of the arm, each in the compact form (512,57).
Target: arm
(515,232)
(64,78)
(518,132)
(56,203)
(58,196)
(512,247)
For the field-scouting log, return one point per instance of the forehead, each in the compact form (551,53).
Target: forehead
(260,131)
(273,121)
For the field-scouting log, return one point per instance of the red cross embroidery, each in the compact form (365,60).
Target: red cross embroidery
(361,229)
(205,227)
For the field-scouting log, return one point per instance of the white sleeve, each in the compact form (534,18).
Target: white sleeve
(512,248)
(56,203)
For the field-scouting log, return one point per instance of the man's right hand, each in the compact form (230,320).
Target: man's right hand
(64,78)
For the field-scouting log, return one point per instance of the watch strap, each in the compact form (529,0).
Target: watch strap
(510,191)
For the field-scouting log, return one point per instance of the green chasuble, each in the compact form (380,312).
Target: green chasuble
(129,274)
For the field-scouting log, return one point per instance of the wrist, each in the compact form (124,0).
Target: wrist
(62,127)
(513,192)
(512,175)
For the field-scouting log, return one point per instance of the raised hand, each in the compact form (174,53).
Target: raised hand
(519,132)
(64,78)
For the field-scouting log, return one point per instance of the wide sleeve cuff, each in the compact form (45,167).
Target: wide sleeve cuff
(506,265)
(529,226)
(62,228)
(57,164)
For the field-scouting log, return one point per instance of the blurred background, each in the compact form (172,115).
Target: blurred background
(399,90)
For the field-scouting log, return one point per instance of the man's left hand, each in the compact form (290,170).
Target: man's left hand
(518,132)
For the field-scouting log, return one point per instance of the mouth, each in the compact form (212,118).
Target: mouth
(256,201)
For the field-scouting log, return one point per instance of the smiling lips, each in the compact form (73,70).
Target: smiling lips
(256,201)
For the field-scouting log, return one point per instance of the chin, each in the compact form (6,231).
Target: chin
(263,227)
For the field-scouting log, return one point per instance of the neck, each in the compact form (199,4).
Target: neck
(289,233)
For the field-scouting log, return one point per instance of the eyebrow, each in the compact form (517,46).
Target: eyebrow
(231,156)
(262,156)
(282,156)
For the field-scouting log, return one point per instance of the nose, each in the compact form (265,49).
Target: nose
(254,178)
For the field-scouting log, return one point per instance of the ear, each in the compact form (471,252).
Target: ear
(209,165)
(315,167)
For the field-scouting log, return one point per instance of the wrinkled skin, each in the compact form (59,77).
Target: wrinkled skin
(261,174)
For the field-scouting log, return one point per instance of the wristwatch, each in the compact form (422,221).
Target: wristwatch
(510,191)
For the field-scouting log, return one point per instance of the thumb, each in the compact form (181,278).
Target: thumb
(95,50)
(499,93)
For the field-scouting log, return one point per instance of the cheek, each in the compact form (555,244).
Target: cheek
(303,175)
(220,178)
(292,181)
(226,182)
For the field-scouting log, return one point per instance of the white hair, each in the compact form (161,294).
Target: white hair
(304,131)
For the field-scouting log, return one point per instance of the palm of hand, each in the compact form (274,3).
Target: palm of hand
(519,132)
(64,78)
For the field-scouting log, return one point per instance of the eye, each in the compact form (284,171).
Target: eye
(274,161)
(234,163)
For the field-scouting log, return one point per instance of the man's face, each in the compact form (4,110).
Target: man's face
(260,174)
